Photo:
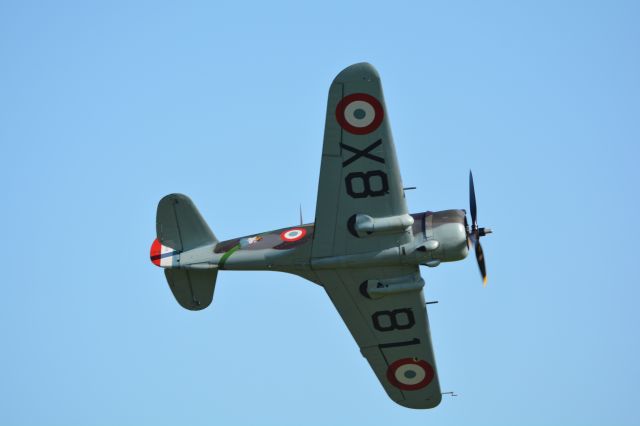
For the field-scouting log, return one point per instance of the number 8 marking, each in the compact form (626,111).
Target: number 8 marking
(379,188)
(394,317)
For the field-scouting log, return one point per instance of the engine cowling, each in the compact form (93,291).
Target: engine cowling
(446,237)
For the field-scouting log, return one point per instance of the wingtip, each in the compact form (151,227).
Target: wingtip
(357,72)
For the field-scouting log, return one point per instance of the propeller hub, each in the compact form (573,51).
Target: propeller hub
(484,231)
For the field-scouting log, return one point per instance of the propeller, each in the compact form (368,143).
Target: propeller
(475,233)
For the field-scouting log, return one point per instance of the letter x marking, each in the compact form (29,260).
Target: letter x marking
(364,153)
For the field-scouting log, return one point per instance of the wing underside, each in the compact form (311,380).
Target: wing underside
(383,308)
(387,317)
(359,171)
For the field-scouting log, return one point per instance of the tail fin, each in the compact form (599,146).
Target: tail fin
(180,228)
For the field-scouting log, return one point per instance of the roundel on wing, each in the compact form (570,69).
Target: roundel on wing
(410,373)
(359,113)
(294,234)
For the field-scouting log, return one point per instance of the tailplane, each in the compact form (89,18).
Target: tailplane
(183,246)
(180,225)
(192,288)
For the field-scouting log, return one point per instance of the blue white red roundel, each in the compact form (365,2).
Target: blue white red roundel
(410,373)
(359,113)
(294,234)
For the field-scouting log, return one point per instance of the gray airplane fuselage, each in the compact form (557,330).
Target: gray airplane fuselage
(437,237)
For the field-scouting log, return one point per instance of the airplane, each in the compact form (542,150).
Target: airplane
(364,248)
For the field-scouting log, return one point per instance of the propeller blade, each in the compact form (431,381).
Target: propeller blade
(475,233)
(472,202)
(480,259)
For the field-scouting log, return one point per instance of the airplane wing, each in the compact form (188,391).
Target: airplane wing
(383,307)
(385,311)
(359,171)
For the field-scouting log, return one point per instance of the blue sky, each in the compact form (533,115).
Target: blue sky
(107,106)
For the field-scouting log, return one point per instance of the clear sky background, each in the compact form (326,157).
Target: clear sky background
(105,107)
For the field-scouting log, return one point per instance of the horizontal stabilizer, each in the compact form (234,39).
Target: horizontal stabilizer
(193,289)
(179,224)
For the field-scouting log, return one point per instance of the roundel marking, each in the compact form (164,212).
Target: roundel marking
(410,374)
(359,113)
(294,234)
